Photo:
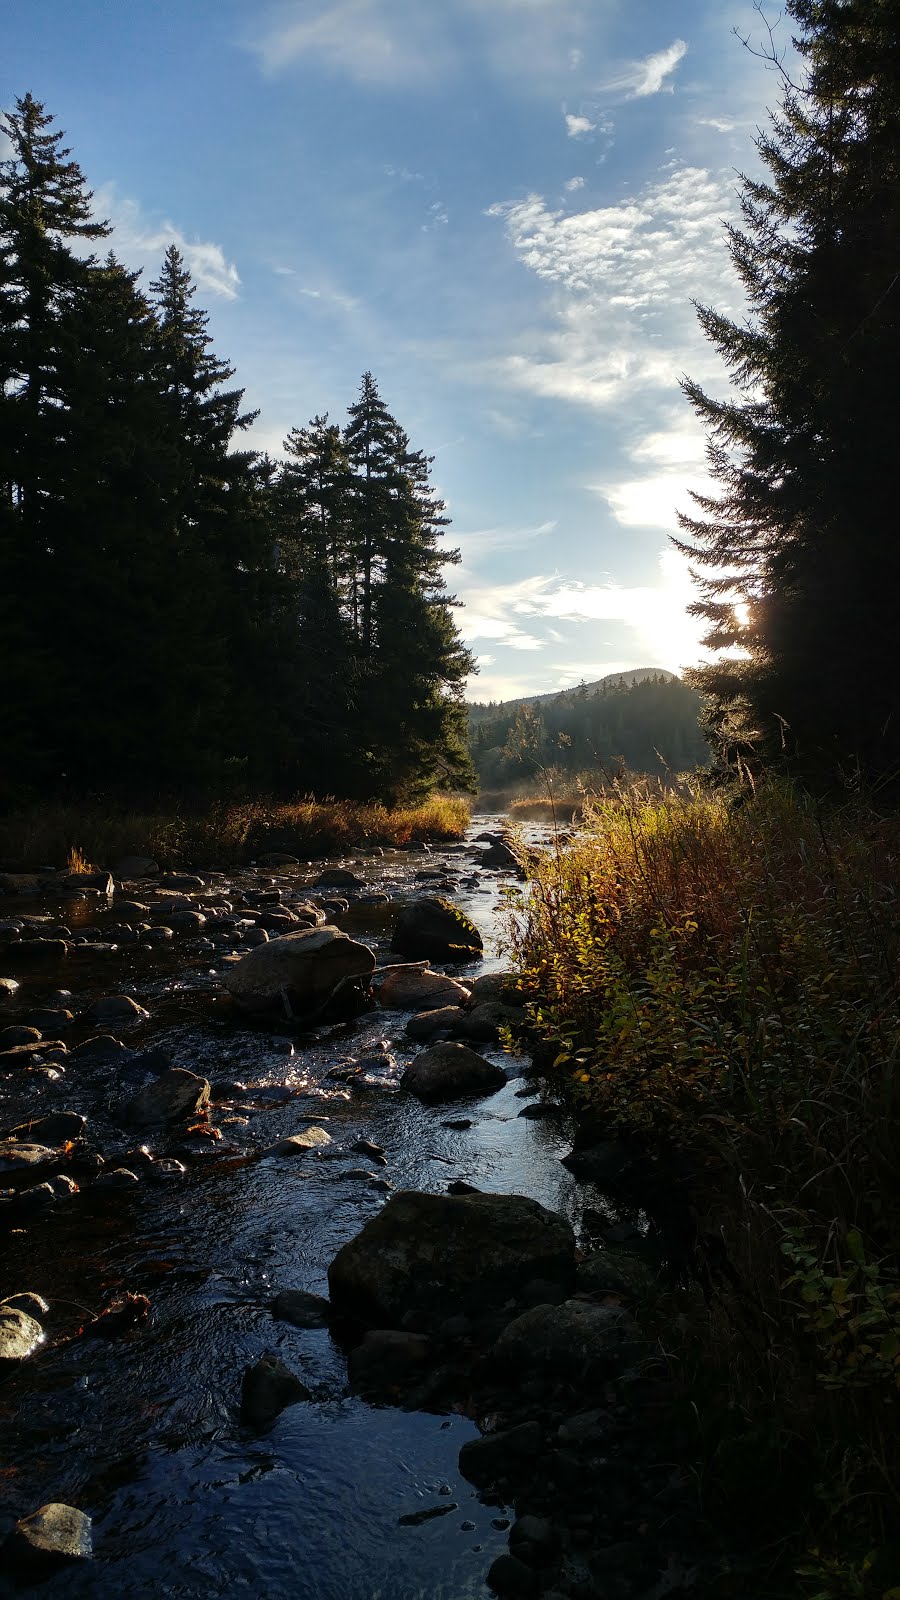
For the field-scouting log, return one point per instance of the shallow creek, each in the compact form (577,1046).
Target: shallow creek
(143,1432)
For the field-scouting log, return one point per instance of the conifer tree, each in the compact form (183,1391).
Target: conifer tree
(798,552)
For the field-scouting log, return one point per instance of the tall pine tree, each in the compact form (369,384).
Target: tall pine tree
(798,552)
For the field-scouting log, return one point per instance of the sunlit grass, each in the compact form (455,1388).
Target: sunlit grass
(77,836)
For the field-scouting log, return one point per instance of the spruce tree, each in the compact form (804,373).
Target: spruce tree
(798,552)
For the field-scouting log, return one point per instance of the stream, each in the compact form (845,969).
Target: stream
(143,1432)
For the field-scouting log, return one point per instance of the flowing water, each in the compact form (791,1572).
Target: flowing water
(143,1432)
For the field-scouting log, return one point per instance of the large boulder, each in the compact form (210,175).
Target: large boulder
(436,929)
(116,1010)
(448,1071)
(484,1021)
(173,1095)
(339,878)
(579,1342)
(444,1254)
(417,988)
(77,882)
(297,972)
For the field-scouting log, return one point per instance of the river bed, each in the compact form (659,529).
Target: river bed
(143,1433)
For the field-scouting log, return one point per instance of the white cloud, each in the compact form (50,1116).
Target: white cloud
(648,76)
(366,40)
(572,184)
(622,279)
(142,243)
(577,127)
(655,69)
(721,124)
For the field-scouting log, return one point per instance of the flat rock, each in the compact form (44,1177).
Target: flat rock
(52,1535)
(136,867)
(578,1341)
(437,930)
(446,1254)
(297,1144)
(389,1360)
(449,1071)
(50,1020)
(175,1094)
(116,1010)
(35,952)
(484,1021)
(502,1455)
(417,988)
(21,1055)
(427,1023)
(278,858)
(16,1156)
(181,881)
(302,1309)
(100,1047)
(20,1334)
(19,1035)
(268,1387)
(56,1128)
(339,878)
(297,972)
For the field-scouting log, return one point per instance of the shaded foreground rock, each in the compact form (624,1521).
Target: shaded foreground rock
(302,1309)
(389,1362)
(501,1456)
(578,1342)
(447,1071)
(297,972)
(268,1387)
(436,929)
(175,1094)
(445,1254)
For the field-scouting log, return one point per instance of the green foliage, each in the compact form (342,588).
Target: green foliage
(723,981)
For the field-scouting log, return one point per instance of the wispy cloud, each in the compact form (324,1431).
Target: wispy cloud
(142,243)
(520,616)
(572,184)
(622,279)
(636,79)
(577,127)
(391,42)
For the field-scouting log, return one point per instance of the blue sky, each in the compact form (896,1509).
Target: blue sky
(503,208)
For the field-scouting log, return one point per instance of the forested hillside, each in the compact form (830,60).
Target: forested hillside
(177,612)
(646,723)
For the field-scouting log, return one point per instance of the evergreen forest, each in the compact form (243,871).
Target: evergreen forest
(177,612)
(644,723)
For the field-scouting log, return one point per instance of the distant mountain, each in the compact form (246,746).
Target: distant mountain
(612,680)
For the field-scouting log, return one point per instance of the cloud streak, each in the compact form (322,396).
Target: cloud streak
(142,243)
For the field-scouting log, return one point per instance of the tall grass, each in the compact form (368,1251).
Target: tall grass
(723,981)
(54,835)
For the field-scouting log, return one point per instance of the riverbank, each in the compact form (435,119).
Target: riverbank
(98,834)
(717,988)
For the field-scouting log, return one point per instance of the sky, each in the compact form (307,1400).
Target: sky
(502,208)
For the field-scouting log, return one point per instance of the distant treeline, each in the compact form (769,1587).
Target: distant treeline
(651,726)
(176,612)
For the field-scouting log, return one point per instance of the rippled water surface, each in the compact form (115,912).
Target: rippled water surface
(143,1432)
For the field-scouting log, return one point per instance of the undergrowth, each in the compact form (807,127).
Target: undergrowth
(721,980)
(55,835)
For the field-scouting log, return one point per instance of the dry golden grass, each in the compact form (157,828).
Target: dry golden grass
(76,836)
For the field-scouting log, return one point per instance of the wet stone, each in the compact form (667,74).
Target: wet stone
(174,1094)
(20,1035)
(298,1144)
(20,1334)
(116,1178)
(268,1387)
(302,1309)
(52,1535)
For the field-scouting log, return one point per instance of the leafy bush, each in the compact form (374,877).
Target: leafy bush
(722,979)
